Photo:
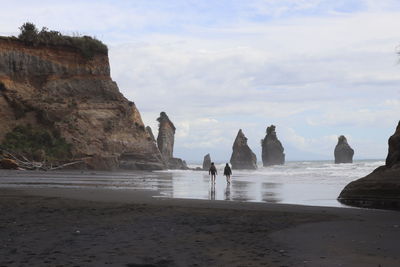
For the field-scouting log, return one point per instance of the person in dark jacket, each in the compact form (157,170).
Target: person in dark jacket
(228,173)
(213,172)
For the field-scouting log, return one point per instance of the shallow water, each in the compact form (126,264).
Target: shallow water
(316,183)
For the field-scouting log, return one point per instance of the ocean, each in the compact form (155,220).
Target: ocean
(315,183)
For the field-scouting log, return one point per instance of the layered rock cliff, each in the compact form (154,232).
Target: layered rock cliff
(272,149)
(343,152)
(57,89)
(242,156)
(381,188)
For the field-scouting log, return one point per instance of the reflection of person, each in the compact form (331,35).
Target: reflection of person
(228,173)
(212,195)
(213,172)
(228,192)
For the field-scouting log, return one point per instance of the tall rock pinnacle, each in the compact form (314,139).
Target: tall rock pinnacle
(242,156)
(272,149)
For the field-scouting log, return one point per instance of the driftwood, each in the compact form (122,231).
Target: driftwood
(25,164)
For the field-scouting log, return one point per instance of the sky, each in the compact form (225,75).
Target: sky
(316,69)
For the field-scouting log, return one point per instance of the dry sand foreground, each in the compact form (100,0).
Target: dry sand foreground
(70,227)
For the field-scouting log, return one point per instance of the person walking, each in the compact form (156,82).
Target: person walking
(228,173)
(213,172)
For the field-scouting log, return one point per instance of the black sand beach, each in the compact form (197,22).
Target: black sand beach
(88,227)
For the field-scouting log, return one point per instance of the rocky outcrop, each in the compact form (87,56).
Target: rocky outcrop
(206,162)
(57,89)
(166,136)
(242,156)
(381,188)
(272,149)
(343,152)
(165,143)
(177,164)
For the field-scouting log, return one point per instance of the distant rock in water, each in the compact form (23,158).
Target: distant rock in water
(207,162)
(343,152)
(272,149)
(242,156)
(381,188)
(165,143)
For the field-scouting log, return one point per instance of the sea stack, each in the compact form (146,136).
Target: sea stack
(242,156)
(206,162)
(272,149)
(166,136)
(343,152)
(381,188)
(165,143)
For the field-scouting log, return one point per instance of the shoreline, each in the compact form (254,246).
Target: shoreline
(90,227)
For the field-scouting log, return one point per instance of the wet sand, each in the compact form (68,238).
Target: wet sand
(100,227)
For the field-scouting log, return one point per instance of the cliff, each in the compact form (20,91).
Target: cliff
(59,90)
(381,188)
(272,149)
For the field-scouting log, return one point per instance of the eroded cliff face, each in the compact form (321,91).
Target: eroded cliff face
(381,188)
(57,89)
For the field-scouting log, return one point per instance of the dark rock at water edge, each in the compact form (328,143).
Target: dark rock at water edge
(343,152)
(242,156)
(272,149)
(207,162)
(134,161)
(177,164)
(381,188)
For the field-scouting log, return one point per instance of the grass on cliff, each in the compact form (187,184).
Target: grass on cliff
(86,45)
(36,144)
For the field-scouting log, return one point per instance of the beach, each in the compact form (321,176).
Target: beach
(105,227)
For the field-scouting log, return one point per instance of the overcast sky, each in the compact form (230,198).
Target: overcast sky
(316,69)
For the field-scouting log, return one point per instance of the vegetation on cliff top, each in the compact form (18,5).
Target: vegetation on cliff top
(86,45)
(37,144)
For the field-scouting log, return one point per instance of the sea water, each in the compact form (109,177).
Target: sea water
(316,183)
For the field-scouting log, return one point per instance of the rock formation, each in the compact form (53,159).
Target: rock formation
(165,143)
(343,152)
(381,188)
(166,136)
(242,156)
(272,149)
(150,132)
(206,162)
(57,89)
